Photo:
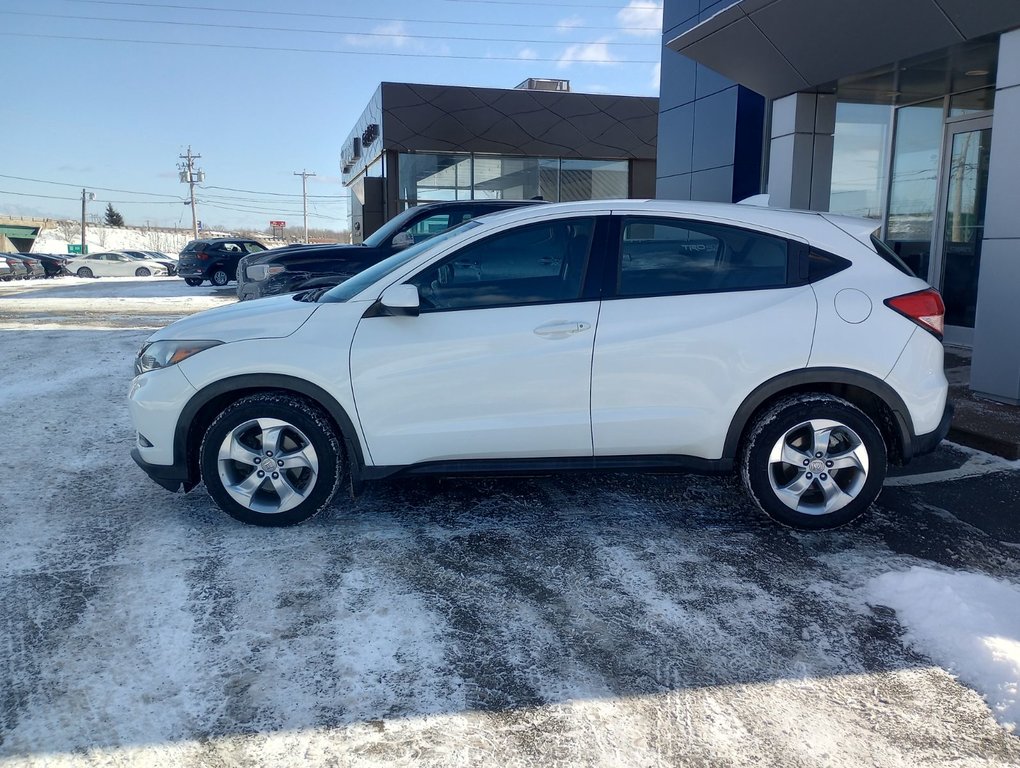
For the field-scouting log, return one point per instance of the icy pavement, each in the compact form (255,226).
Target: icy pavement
(575,620)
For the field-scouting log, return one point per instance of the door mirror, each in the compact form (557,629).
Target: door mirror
(402,240)
(397,300)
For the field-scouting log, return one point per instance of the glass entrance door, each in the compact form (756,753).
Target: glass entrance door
(960,225)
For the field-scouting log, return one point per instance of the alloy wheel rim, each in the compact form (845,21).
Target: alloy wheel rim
(267,465)
(818,467)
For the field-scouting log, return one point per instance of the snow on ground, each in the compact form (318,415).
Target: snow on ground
(55,239)
(967,622)
(611,620)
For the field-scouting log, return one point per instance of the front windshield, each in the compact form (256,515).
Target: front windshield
(382,235)
(355,285)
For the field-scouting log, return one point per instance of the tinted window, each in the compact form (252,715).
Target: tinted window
(887,253)
(667,256)
(531,264)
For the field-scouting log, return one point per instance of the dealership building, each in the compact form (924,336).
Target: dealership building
(907,112)
(420,143)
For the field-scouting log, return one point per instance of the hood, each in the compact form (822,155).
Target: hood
(271,318)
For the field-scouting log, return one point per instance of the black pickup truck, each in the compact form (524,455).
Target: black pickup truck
(294,268)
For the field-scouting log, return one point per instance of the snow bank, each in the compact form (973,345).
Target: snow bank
(966,622)
(100,238)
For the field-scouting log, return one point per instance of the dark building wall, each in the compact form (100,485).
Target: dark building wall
(710,129)
(440,118)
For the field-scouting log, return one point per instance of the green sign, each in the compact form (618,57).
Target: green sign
(76,248)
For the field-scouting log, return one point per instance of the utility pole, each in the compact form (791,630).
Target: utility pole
(191,175)
(85,196)
(304,196)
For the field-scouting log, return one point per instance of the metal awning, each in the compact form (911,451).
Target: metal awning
(779,47)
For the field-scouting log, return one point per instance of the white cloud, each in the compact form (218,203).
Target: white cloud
(569,23)
(527,54)
(656,72)
(588,53)
(641,17)
(396,35)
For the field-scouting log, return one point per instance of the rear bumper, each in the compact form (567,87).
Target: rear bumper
(922,444)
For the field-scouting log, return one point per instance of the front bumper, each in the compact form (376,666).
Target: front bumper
(923,444)
(171,477)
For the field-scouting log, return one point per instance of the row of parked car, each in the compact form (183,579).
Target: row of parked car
(21,266)
(270,272)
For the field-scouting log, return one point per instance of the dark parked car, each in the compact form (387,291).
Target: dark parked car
(32,266)
(285,270)
(18,268)
(214,259)
(54,264)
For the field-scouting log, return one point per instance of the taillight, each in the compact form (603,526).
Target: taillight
(923,307)
(202,255)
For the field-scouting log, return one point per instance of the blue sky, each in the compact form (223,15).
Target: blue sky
(85,110)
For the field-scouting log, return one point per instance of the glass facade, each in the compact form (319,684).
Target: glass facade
(860,159)
(424,177)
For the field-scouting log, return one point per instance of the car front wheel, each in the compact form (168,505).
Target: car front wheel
(814,461)
(272,459)
(142,272)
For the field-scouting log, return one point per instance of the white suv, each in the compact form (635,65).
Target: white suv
(603,335)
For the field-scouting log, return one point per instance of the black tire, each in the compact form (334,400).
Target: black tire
(194,282)
(84,272)
(219,277)
(305,425)
(825,497)
(142,272)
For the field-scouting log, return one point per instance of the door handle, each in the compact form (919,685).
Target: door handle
(560,330)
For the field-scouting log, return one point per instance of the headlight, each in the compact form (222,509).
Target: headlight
(163,354)
(262,271)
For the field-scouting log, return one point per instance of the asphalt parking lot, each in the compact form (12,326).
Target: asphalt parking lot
(571,620)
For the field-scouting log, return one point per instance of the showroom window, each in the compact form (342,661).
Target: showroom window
(425,177)
(533,264)
(662,257)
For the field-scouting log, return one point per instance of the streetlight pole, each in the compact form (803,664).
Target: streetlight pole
(304,196)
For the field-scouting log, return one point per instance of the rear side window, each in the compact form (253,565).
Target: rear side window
(253,248)
(661,257)
(890,256)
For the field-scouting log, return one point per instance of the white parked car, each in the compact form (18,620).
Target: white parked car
(607,335)
(113,264)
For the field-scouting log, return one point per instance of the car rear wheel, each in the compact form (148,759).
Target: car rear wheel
(272,459)
(194,282)
(142,272)
(219,277)
(85,272)
(814,461)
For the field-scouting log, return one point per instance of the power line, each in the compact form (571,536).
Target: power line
(384,35)
(275,194)
(118,202)
(342,17)
(102,189)
(360,53)
(553,5)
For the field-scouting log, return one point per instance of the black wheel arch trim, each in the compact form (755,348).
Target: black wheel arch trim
(263,381)
(798,379)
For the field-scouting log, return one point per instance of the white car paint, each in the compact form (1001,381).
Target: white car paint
(622,376)
(113,265)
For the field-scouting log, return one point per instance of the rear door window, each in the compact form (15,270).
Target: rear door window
(661,257)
